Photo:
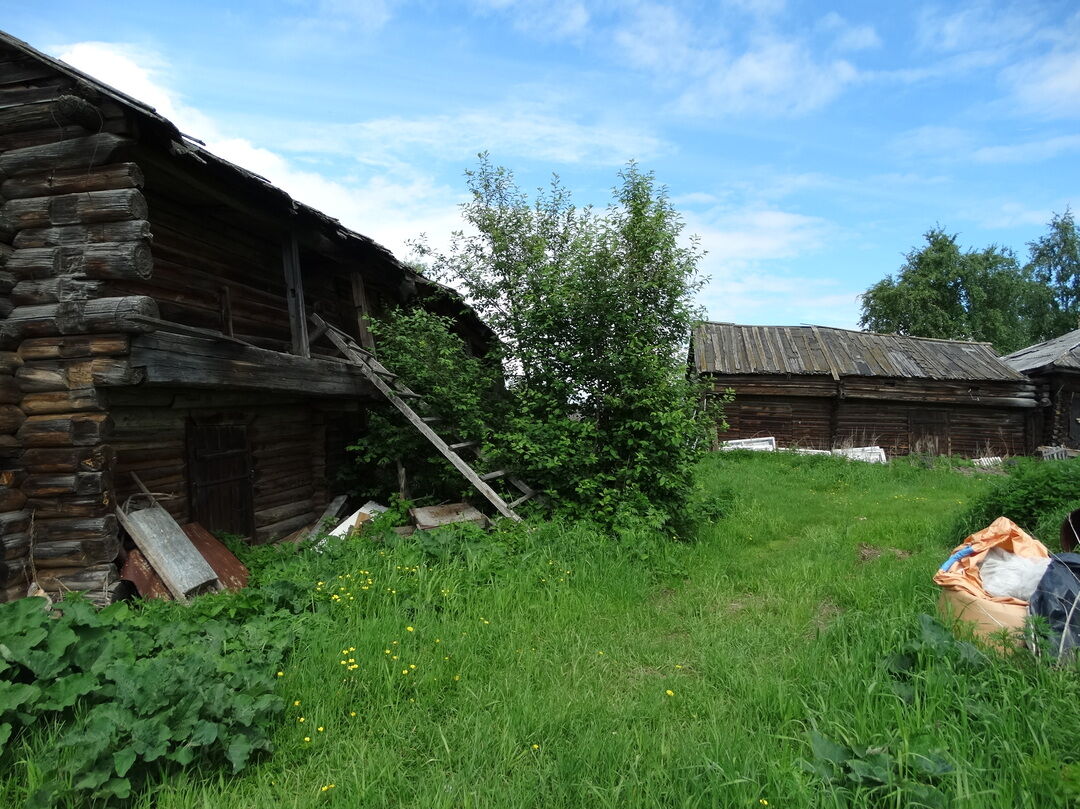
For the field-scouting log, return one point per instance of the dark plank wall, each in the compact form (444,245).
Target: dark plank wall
(288,439)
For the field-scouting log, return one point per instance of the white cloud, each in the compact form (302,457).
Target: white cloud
(981,25)
(1030,152)
(515,129)
(771,76)
(364,14)
(1048,85)
(1006,215)
(391,206)
(547,19)
(775,78)
(935,142)
(749,261)
(849,37)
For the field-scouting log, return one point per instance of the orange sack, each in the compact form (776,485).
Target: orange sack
(962,594)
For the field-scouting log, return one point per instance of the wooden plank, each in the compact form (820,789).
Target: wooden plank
(191,331)
(363,312)
(331,512)
(294,294)
(490,494)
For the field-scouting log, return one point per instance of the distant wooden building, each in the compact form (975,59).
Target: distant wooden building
(154,304)
(1054,367)
(821,388)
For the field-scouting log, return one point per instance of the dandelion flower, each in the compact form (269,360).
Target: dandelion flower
(281,674)
(296,703)
(307,738)
(409,629)
(536,747)
(320,728)
(670,693)
(352,713)
(763,802)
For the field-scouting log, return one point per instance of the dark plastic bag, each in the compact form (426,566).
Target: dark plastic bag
(1056,600)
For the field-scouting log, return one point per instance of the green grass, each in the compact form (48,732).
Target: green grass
(556,668)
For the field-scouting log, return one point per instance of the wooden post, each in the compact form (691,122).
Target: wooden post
(360,303)
(294,293)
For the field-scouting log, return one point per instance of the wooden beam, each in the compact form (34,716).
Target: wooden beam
(363,313)
(294,294)
(213,364)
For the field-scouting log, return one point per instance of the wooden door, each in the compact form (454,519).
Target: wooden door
(929,431)
(219,478)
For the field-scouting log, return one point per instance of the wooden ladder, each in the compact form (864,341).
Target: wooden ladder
(383,379)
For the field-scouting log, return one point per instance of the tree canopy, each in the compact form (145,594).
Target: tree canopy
(944,291)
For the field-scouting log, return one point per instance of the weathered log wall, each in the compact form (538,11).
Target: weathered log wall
(1060,422)
(900,416)
(287,440)
(71,217)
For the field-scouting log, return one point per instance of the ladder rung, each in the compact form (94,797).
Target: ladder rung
(492,475)
(407,394)
(464,445)
(430,419)
(522,499)
(385,374)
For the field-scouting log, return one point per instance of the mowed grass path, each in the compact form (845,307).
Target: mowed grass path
(562,670)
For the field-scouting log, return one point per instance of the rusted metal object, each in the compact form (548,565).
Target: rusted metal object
(230,571)
(146,580)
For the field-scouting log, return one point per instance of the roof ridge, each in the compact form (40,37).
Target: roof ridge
(862,332)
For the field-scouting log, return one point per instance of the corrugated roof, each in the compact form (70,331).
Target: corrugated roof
(730,348)
(1060,352)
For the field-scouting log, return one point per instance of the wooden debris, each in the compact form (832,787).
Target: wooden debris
(330,513)
(429,517)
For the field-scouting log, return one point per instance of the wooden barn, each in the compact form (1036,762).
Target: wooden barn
(1054,367)
(821,388)
(154,302)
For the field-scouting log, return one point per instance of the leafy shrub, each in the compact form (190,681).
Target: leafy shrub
(1027,496)
(135,690)
(594,311)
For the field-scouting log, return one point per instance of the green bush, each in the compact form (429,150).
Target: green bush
(1033,496)
(135,691)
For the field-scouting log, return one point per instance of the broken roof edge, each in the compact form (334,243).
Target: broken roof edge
(1047,354)
(178,144)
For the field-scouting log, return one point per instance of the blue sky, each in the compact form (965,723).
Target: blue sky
(809,144)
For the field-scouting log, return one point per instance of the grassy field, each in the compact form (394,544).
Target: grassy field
(778,660)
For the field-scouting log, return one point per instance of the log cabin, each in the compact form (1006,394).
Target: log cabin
(1054,367)
(154,304)
(822,388)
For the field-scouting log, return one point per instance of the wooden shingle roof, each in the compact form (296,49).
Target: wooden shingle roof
(1061,353)
(733,349)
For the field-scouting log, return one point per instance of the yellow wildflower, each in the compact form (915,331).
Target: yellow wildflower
(409,629)
(670,693)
